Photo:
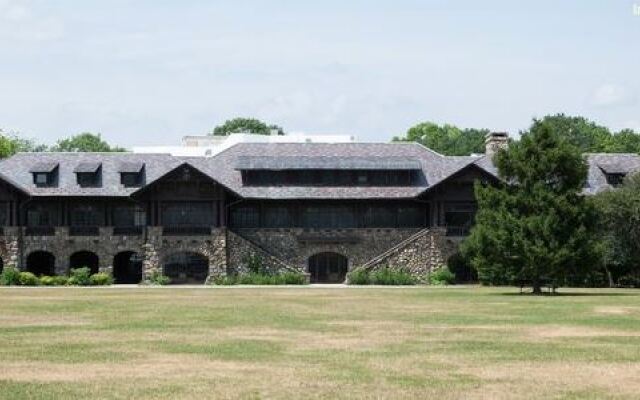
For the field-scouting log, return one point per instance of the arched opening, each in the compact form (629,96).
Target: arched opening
(127,267)
(1,265)
(327,268)
(187,267)
(82,259)
(41,263)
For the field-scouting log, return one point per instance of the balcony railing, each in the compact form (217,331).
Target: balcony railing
(127,230)
(40,230)
(186,230)
(84,231)
(458,230)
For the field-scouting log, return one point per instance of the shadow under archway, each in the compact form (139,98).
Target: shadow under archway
(85,258)
(41,263)
(328,267)
(127,267)
(186,268)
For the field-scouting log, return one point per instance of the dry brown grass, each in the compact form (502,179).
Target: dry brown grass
(318,344)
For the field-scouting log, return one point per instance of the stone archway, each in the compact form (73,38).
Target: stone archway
(328,267)
(186,267)
(41,263)
(127,267)
(84,258)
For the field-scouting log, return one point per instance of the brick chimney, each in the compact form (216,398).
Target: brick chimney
(495,141)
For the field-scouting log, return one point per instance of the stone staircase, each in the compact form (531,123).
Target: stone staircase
(421,247)
(253,248)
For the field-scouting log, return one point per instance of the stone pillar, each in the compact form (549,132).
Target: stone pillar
(105,249)
(151,259)
(12,246)
(217,255)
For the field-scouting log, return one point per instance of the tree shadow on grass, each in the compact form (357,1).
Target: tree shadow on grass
(573,294)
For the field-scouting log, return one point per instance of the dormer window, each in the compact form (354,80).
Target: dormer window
(89,174)
(615,179)
(132,174)
(45,174)
(614,173)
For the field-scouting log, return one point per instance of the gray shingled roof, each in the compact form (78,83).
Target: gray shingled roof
(613,163)
(131,166)
(17,170)
(434,167)
(88,166)
(43,166)
(325,162)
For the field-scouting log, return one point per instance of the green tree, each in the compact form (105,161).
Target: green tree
(579,131)
(12,143)
(85,142)
(619,217)
(535,225)
(446,139)
(245,125)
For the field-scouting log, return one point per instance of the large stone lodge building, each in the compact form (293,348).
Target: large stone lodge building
(317,208)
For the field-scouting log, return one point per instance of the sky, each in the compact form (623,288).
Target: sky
(147,72)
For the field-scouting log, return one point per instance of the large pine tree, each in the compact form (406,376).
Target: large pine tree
(536,225)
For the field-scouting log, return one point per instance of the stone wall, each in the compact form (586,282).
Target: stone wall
(240,250)
(420,255)
(294,246)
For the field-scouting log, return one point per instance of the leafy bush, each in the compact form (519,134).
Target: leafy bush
(80,277)
(252,278)
(28,279)
(255,265)
(383,276)
(10,276)
(629,281)
(390,276)
(358,277)
(157,278)
(442,276)
(60,280)
(47,281)
(101,279)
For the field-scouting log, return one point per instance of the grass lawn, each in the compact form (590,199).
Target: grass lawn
(253,343)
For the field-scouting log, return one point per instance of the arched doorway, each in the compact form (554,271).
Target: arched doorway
(127,267)
(41,263)
(187,267)
(328,268)
(82,259)
(1,265)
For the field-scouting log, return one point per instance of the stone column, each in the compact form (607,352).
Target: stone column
(105,249)
(217,254)
(151,258)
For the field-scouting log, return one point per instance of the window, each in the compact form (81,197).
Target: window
(88,179)
(188,214)
(460,216)
(41,178)
(379,217)
(328,217)
(85,215)
(411,217)
(615,179)
(129,216)
(4,209)
(327,177)
(278,217)
(41,215)
(131,179)
(245,217)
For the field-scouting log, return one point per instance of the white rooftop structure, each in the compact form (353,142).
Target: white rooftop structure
(196,145)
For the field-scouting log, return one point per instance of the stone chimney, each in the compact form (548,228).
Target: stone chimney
(495,141)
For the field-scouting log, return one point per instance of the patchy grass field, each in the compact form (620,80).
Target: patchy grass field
(253,343)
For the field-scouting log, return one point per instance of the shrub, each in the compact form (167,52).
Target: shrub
(60,280)
(383,276)
(629,281)
(390,276)
(28,279)
(80,277)
(358,277)
(101,279)
(252,278)
(442,276)
(10,276)
(255,264)
(157,278)
(47,281)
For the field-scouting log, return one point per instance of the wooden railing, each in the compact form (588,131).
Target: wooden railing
(84,231)
(40,230)
(458,230)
